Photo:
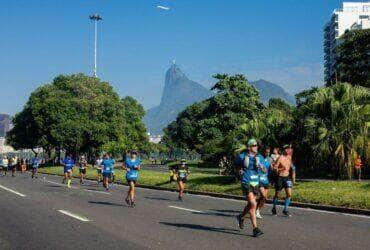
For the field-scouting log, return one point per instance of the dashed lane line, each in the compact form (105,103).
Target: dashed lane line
(75,216)
(12,191)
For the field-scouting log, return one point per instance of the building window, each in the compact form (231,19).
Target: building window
(364,17)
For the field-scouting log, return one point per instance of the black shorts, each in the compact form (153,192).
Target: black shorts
(82,170)
(283,182)
(265,186)
(249,189)
(183,180)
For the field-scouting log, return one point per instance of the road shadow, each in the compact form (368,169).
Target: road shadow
(54,186)
(203,228)
(158,198)
(106,203)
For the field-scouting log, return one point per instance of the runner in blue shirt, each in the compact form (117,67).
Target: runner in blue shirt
(35,166)
(132,166)
(250,163)
(264,185)
(108,166)
(68,164)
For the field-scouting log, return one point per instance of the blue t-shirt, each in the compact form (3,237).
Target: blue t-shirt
(35,162)
(108,165)
(263,176)
(132,168)
(250,172)
(68,163)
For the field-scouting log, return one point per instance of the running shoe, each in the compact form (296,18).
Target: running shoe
(273,211)
(257,232)
(286,213)
(180,198)
(258,214)
(240,221)
(128,202)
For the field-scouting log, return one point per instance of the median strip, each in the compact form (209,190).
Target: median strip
(75,216)
(12,191)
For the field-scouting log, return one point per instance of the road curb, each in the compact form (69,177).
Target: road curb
(329,208)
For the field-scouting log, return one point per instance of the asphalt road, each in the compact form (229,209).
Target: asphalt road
(44,214)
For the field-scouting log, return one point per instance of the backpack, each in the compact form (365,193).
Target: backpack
(246,161)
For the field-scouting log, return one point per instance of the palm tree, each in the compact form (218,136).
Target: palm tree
(336,120)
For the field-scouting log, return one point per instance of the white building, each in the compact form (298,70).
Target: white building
(4,149)
(155,138)
(352,15)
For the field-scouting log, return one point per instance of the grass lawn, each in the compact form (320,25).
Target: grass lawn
(337,193)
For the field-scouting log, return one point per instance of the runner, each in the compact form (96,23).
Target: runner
(108,165)
(273,176)
(286,173)
(23,165)
(14,165)
(113,176)
(182,172)
(35,166)
(250,162)
(82,169)
(264,186)
(68,164)
(4,165)
(132,166)
(99,169)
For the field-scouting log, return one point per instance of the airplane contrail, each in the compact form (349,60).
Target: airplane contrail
(163,7)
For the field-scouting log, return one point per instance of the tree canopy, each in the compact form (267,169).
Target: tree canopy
(352,57)
(77,113)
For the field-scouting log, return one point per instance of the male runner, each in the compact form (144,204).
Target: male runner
(107,165)
(264,185)
(4,165)
(68,164)
(35,166)
(284,167)
(82,169)
(250,162)
(182,172)
(132,166)
(14,165)
(99,169)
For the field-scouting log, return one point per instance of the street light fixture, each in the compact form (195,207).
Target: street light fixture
(95,18)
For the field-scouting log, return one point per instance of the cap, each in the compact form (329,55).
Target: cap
(251,142)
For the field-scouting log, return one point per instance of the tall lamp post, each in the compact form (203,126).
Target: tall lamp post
(95,18)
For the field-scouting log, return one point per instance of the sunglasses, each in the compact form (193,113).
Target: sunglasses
(254,145)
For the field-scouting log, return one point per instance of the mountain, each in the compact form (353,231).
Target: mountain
(178,93)
(270,90)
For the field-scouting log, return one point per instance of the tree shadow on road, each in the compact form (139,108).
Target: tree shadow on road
(106,203)
(203,228)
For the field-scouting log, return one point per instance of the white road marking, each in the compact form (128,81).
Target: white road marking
(59,184)
(76,216)
(12,191)
(187,209)
(96,191)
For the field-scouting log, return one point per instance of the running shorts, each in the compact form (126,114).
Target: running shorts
(247,188)
(283,182)
(82,170)
(183,180)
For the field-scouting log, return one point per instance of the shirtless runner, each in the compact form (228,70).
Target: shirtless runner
(286,178)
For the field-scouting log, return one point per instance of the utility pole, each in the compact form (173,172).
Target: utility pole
(95,18)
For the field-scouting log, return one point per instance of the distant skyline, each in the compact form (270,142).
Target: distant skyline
(279,41)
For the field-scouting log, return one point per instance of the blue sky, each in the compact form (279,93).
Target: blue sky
(280,41)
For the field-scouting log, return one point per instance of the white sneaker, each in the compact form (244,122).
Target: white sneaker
(258,215)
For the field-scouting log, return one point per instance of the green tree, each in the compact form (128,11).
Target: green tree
(352,57)
(332,126)
(78,114)
(213,127)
